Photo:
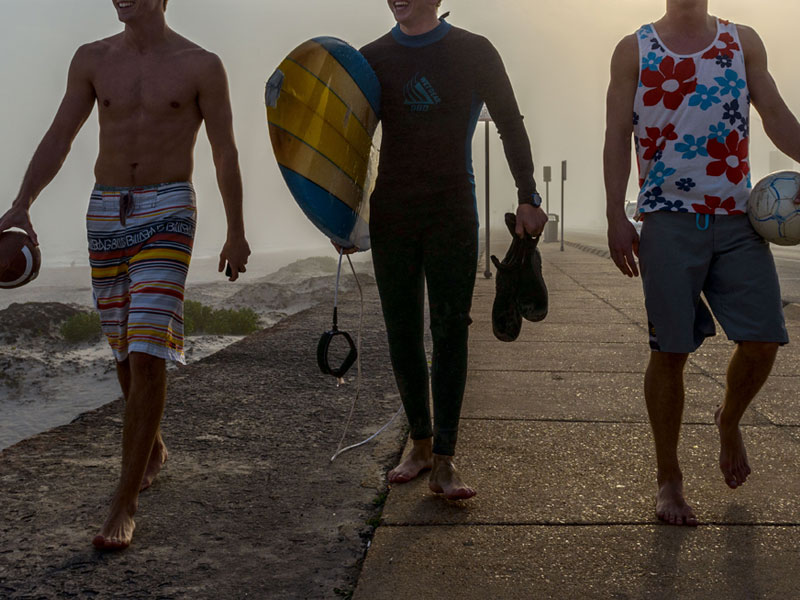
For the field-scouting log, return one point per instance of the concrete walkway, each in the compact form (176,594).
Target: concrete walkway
(555,438)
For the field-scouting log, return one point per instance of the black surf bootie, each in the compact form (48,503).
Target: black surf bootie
(520,290)
(532,295)
(506,317)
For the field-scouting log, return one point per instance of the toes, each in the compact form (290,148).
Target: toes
(399,477)
(109,544)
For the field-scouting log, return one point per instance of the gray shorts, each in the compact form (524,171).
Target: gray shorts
(727,261)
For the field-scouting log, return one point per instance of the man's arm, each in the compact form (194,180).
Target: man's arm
(623,241)
(495,89)
(780,124)
(75,108)
(215,106)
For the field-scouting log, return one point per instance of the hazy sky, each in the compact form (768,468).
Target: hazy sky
(556,53)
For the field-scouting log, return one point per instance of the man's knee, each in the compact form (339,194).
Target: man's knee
(759,351)
(453,326)
(668,361)
(146,364)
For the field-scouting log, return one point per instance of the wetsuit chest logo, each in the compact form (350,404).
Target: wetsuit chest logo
(420,94)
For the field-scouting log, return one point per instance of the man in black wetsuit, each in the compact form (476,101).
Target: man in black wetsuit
(423,214)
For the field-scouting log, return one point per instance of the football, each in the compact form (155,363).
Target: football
(772,210)
(20,259)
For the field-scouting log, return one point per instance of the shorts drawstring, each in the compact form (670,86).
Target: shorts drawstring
(697,221)
(126,206)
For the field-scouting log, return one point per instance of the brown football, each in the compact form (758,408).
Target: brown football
(20,259)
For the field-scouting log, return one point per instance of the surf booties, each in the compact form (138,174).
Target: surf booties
(520,291)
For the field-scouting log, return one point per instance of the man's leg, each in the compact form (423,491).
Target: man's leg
(451,258)
(663,390)
(159,454)
(749,368)
(397,260)
(143,409)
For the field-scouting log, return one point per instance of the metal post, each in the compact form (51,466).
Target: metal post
(547,196)
(563,179)
(488,272)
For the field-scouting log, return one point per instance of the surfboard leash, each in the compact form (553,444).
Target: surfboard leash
(339,449)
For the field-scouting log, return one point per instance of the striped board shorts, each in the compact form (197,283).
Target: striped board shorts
(140,246)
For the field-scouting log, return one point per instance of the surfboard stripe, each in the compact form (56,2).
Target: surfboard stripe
(307,94)
(299,157)
(310,91)
(316,59)
(327,212)
(357,66)
(299,120)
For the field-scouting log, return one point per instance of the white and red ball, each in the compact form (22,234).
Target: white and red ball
(772,210)
(20,259)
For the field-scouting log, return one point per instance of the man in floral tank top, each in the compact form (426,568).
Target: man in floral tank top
(682,87)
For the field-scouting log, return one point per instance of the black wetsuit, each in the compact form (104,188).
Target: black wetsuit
(423,213)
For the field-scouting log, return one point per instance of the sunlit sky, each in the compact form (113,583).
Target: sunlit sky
(556,52)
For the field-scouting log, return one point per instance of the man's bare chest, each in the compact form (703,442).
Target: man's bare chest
(152,87)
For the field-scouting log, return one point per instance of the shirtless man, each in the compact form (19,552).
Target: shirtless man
(683,86)
(153,89)
(423,219)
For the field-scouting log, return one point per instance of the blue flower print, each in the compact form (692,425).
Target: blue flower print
(719,132)
(659,173)
(731,84)
(651,61)
(653,197)
(705,97)
(731,113)
(691,147)
(658,155)
(635,118)
(645,32)
(744,128)
(724,61)
(676,206)
(685,184)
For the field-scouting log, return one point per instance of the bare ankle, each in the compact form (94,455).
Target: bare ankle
(669,476)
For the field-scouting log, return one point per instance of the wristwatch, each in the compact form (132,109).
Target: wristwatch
(534,199)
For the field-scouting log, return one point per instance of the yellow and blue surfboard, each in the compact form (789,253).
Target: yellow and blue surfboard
(323,106)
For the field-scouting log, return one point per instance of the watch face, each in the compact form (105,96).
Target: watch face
(536,200)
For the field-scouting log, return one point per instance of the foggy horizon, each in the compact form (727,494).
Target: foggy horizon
(556,52)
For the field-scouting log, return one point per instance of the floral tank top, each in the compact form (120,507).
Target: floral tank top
(692,126)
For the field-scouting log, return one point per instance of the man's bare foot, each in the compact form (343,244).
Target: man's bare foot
(446,480)
(671,507)
(418,460)
(158,456)
(117,532)
(732,455)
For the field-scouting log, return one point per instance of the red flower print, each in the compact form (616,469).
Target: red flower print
(671,82)
(724,46)
(731,157)
(657,140)
(713,203)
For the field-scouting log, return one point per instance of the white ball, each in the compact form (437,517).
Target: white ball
(772,210)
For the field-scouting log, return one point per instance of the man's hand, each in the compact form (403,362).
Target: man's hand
(530,219)
(345,251)
(20,218)
(623,243)
(235,253)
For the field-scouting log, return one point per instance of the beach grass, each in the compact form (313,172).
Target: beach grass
(198,319)
(82,327)
(201,319)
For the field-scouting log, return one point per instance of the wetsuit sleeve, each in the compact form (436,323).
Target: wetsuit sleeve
(495,90)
